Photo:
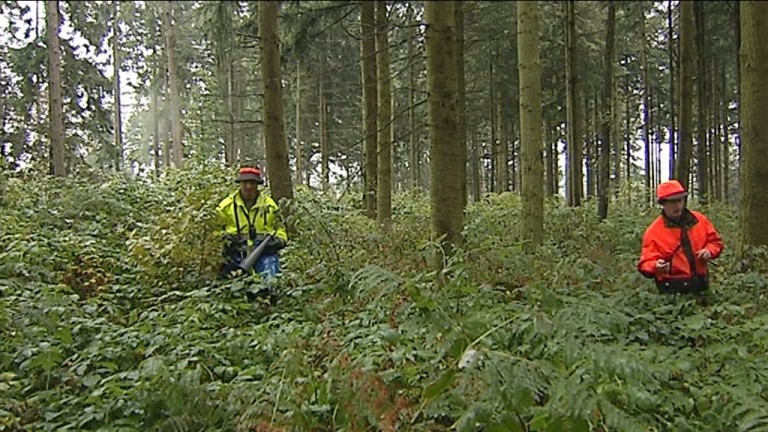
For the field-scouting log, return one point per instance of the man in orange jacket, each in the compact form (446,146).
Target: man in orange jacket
(678,245)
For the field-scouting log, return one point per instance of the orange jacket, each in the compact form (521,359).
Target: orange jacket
(662,240)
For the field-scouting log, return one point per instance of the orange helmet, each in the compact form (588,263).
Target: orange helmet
(670,189)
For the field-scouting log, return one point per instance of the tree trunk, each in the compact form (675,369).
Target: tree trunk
(607,117)
(530,124)
(443,105)
(325,168)
(754,127)
(462,96)
(672,69)
(281,185)
(502,149)
(298,149)
(737,132)
(384,139)
(415,153)
(726,139)
(173,86)
(494,121)
(476,178)
(156,125)
(646,113)
(370,105)
(231,144)
(575,135)
(687,66)
(55,108)
(551,158)
(118,150)
(701,77)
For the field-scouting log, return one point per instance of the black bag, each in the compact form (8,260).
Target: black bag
(694,285)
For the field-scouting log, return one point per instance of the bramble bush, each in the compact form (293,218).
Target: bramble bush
(111,319)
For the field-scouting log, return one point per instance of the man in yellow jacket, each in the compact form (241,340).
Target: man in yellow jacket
(247,216)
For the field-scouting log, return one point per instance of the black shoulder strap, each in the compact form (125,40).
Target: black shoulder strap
(688,249)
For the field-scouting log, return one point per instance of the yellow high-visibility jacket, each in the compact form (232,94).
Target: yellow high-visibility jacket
(264,215)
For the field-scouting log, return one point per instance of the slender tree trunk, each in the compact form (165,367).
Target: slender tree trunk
(502,153)
(737,132)
(41,121)
(589,145)
(627,138)
(156,125)
(415,154)
(173,86)
(726,139)
(646,113)
(118,151)
(716,134)
(701,77)
(55,105)
(322,106)
(575,134)
(672,75)
(494,120)
(476,178)
(231,145)
(299,125)
(462,96)
(370,104)
(551,155)
(605,139)
(274,129)
(687,66)
(530,123)
(444,126)
(384,184)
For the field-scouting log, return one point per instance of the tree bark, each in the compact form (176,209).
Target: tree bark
(173,87)
(702,79)
(384,139)
(443,106)
(325,150)
(55,104)
(672,70)
(687,66)
(462,96)
(370,104)
(298,154)
(530,124)
(646,114)
(575,181)
(604,157)
(118,150)
(281,185)
(754,127)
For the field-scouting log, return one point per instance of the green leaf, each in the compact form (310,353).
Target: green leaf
(696,322)
(440,385)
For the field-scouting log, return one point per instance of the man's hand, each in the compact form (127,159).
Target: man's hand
(662,266)
(704,254)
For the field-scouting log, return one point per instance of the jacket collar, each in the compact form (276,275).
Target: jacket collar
(686,219)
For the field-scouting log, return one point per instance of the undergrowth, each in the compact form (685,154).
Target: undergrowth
(111,319)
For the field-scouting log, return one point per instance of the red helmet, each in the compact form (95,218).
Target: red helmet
(670,189)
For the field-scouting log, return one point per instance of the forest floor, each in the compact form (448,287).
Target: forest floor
(111,319)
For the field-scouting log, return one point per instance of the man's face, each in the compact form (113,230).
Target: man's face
(249,189)
(673,208)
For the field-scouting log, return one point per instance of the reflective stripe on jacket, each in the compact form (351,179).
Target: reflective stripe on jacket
(264,215)
(663,240)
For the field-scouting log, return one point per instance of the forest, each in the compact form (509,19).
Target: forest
(465,187)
